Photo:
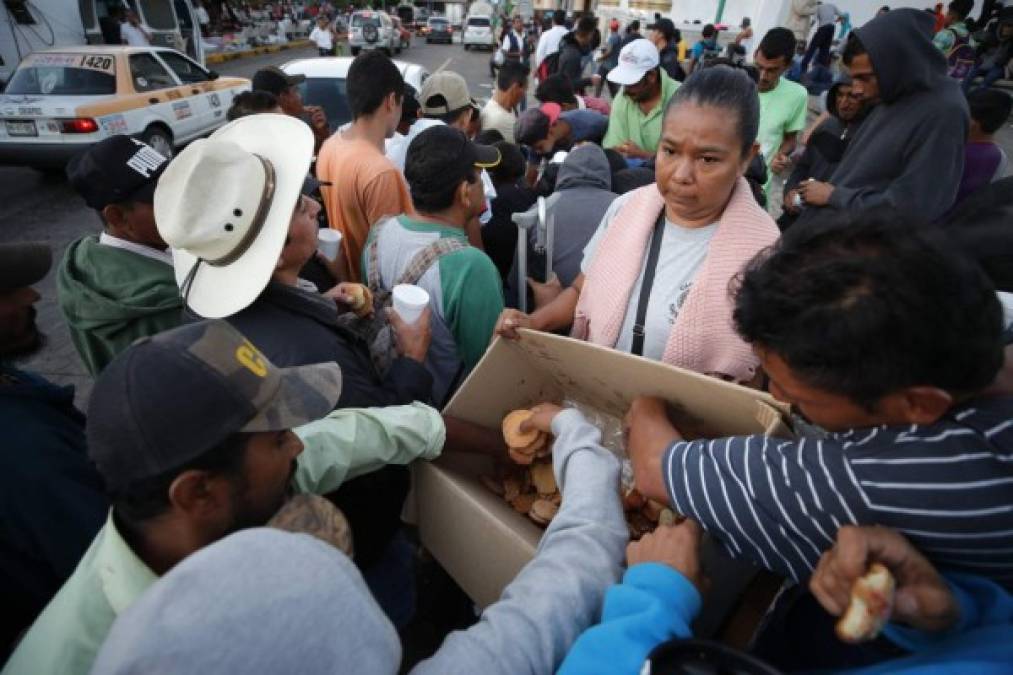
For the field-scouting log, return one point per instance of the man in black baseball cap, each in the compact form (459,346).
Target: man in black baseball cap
(118,285)
(191,433)
(285,89)
(466,295)
(53,502)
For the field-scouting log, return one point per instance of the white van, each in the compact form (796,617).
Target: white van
(478,32)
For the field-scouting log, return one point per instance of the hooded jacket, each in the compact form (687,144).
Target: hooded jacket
(571,61)
(909,152)
(584,189)
(826,144)
(111,297)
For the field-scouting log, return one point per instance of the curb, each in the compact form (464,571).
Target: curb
(222,57)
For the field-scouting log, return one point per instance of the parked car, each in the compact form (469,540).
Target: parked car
(373,30)
(439,30)
(478,32)
(405,35)
(61,101)
(325,83)
(421,21)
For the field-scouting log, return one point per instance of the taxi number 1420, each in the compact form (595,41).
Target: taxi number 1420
(103,63)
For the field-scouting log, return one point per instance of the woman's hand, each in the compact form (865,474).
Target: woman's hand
(509,321)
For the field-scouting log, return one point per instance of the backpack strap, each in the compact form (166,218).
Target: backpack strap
(425,258)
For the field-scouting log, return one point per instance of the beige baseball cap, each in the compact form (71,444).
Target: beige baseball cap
(452,87)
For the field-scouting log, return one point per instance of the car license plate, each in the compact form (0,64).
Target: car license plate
(21,128)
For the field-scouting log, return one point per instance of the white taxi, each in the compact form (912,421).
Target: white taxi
(61,101)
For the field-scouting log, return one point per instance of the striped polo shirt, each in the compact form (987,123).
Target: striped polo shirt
(948,487)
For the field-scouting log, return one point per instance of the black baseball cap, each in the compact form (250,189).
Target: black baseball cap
(170,398)
(23,264)
(275,80)
(410,105)
(116,170)
(442,156)
(663,26)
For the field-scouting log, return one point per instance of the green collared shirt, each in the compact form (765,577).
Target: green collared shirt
(67,636)
(629,123)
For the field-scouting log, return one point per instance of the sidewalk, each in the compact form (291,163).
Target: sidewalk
(222,57)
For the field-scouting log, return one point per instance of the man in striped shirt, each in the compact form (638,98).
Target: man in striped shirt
(890,340)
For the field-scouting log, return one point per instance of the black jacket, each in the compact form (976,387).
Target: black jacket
(293,327)
(571,58)
(669,57)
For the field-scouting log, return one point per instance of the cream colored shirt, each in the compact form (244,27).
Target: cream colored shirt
(495,116)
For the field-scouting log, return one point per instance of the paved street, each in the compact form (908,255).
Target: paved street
(36,207)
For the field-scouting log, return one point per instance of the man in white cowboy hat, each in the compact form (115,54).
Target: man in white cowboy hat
(230,207)
(232,210)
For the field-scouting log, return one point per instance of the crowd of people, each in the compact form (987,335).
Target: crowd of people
(237,365)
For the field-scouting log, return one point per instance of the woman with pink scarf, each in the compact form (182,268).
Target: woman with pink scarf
(656,274)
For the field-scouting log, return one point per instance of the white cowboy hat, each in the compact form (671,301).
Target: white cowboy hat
(224,205)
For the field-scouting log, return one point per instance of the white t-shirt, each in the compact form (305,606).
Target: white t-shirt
(548,43)
(322,38)
(683,250)
(495,116)
(133,36)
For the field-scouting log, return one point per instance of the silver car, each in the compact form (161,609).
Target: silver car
(373,30)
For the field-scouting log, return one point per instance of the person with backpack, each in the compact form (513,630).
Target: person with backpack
(955,34)
(572,49)
(430,249)
(705,49)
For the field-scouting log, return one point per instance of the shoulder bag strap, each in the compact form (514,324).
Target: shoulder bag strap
(373,278)
(425,258)
(645,287)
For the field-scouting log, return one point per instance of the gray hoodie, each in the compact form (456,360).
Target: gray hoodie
(584,186)
(909,152)
(265,602)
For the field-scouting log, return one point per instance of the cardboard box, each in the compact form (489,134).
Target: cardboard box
(476,536)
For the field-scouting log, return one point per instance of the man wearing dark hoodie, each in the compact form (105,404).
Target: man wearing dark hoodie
(908,154)
(574,46)
(583,194)
(825,148)
(117,286)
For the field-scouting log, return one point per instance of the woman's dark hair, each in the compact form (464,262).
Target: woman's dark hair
(868,304)
(990,108)
(724,88)
(251,103)
(852,48)
(144,499)
(556,89)
(511,163)
(371,78)
(778,43)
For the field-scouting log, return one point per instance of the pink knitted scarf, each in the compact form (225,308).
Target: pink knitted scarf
(703,338)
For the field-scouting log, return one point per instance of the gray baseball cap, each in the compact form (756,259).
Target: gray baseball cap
(170,398)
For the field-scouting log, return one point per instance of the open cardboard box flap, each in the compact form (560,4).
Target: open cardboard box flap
(477,537)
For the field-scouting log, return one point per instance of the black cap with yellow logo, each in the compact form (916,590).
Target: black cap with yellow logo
(169,399)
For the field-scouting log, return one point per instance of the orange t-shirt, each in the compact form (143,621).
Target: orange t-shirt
(365,187)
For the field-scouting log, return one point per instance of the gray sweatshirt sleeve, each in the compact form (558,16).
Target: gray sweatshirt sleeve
(560,592)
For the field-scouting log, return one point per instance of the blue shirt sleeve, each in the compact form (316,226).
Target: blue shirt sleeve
(653,604)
